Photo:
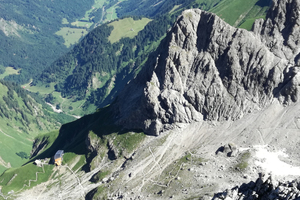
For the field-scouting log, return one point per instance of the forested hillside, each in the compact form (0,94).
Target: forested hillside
(98,67)
(89,68)
(33,34)
(27,33)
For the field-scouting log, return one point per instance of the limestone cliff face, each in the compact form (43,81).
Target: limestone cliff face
(206,69)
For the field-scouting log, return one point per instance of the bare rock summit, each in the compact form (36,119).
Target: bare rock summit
(206,69)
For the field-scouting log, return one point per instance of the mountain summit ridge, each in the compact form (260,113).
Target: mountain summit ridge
(206,69)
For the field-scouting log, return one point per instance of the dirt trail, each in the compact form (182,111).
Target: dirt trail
(274,127)
(67,184)
(45,186)
(35,180)
(7,135)
(270,127)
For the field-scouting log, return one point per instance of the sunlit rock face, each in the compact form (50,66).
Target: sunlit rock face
(206,69)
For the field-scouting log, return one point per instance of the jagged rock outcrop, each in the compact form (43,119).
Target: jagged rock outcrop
(262,188)
(229,150)
(206,69)
(94,147)
(280,33)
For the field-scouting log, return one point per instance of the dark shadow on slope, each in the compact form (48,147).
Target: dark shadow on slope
(220,149)
(290,23)
(297,59)
(263,3)
(204,31)
(121,79)
(288,76)
(253,190)
(73,137)
(91,194)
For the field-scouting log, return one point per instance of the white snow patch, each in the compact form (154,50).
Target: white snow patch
(270,162)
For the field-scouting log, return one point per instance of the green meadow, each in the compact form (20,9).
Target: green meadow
(126,28)
(9,71)
(237,12)
(71,35)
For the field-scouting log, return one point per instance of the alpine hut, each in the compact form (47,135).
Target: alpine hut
(58,157)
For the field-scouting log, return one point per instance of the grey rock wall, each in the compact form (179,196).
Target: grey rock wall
(206,69)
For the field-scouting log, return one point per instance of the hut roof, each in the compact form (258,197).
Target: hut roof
(59,154)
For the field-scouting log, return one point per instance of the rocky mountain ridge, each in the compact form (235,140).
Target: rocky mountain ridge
(265,187)
(223,104)
(207,70)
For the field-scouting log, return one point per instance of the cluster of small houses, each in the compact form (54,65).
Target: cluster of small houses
(58,158)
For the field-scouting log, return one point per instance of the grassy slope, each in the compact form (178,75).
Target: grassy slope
(12,138)
(235,12)
(126,28)
(258,11)
(17,132)
(18,178)
(71,35)
(72,139)
(12,142)
(9,71)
